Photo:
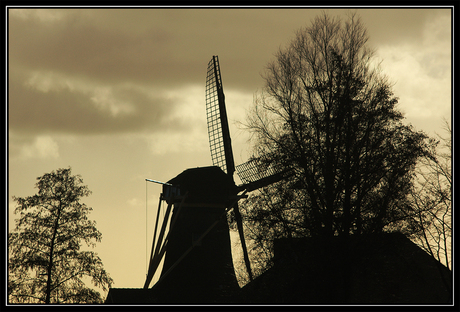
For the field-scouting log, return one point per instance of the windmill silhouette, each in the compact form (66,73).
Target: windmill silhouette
(198,261)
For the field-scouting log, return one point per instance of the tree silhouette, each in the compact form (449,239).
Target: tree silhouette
(331,118)
(46,264)
(431,200)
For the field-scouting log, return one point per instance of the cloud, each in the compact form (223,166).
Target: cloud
(41,15)
(119,71)
(192,114)
(44,102)
(135,202)
(68,73)
(177,142)
(151,46)
(421,73)
(42,147)
(81,72)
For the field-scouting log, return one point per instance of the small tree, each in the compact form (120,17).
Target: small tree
(46,264)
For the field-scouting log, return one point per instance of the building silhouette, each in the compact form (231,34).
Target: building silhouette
(372,269)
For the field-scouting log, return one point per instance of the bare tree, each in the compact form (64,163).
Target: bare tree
(432,201)
(330,117)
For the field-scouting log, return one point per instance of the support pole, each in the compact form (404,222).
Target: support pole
(156,226)
(160,251)
(151,271)
(239,224)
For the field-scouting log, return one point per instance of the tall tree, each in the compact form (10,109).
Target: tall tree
(327,114)
(46,264)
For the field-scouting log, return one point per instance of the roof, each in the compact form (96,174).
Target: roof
(129,296)
(205,185)
(375,269)
(371,269)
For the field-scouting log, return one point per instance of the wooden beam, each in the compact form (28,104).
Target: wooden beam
(160,251)
(151,272)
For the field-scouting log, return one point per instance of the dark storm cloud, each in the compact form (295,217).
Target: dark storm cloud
(131,51)
(160,47)
(67,111)
(76,45)
(173,46)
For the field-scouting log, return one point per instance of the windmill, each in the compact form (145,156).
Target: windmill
(197,245)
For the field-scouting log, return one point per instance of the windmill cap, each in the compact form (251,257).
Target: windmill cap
(205,185)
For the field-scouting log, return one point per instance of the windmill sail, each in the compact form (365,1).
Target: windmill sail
(253,173)
(216,115)
(219,137)
(256,173)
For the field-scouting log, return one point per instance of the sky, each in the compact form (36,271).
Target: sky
(118,94)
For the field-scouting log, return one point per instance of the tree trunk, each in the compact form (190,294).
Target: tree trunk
(50,265)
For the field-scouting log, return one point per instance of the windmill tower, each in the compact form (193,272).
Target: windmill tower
(196,249)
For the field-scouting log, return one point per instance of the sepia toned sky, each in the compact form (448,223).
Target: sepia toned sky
(118,95)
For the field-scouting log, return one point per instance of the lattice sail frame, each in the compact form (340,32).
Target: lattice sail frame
(254,173)
(254,170)
(219,137)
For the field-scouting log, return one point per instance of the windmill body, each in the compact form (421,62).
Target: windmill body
(198,270)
